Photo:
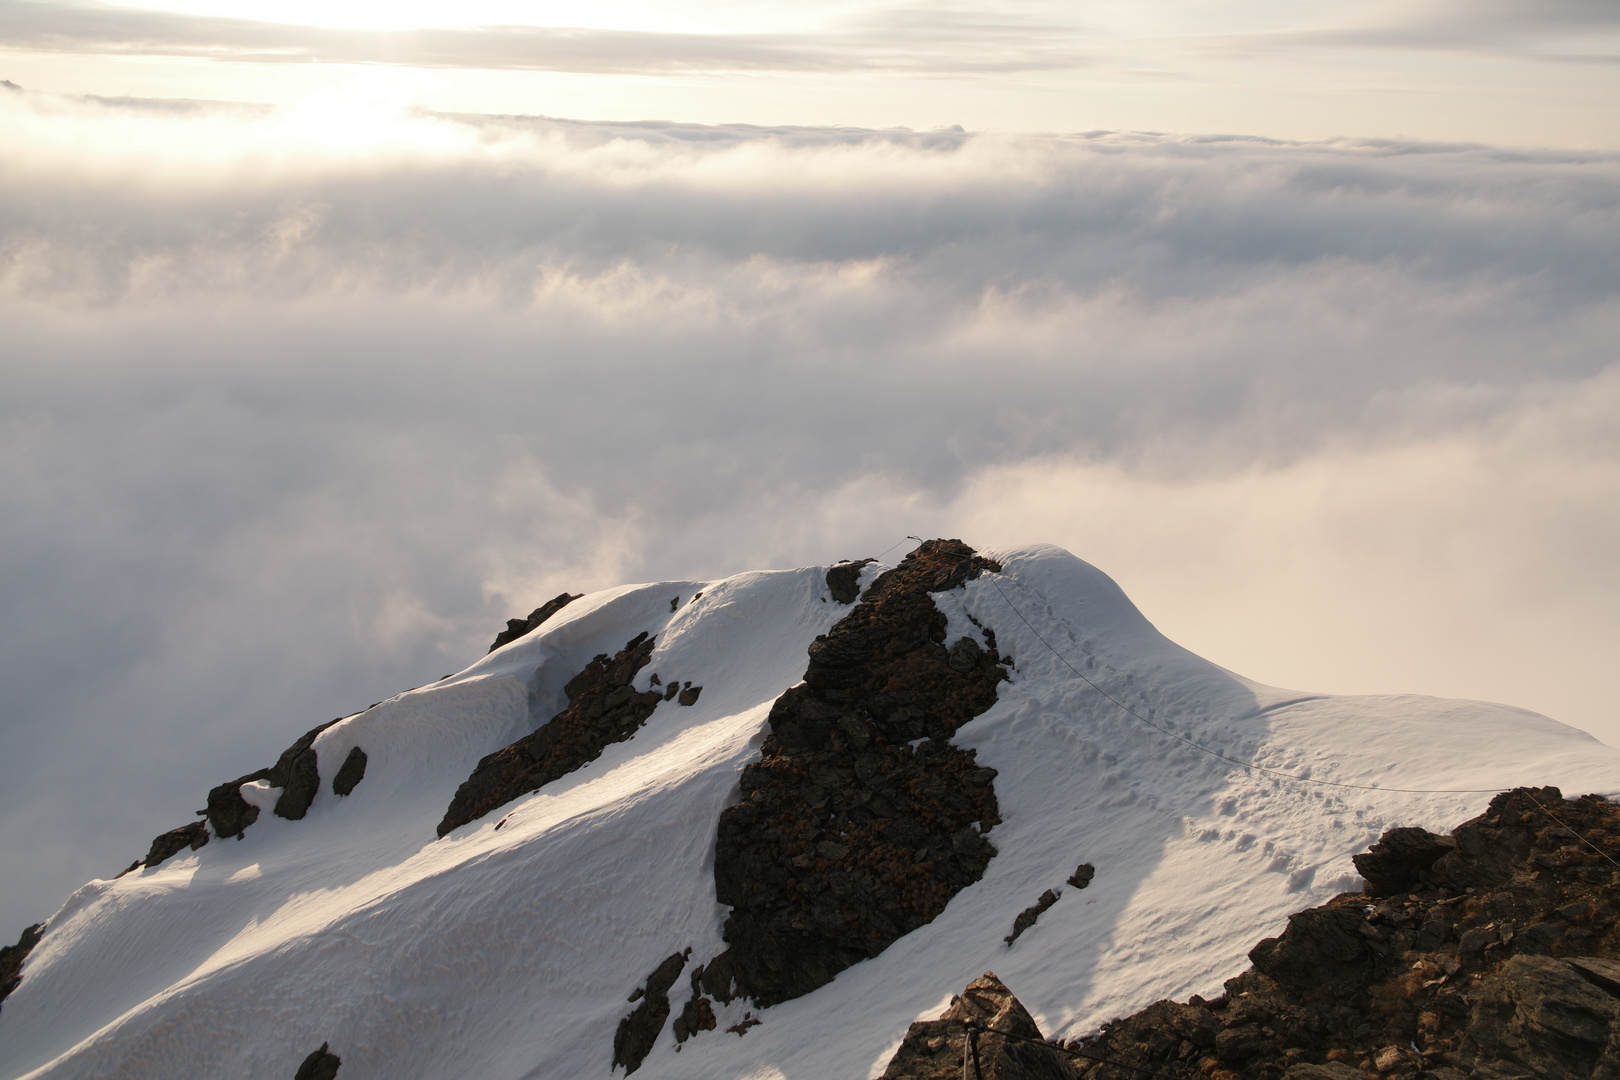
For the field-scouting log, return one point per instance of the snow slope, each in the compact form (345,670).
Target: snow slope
(509,952)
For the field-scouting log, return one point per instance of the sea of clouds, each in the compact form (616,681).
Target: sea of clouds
(298,406)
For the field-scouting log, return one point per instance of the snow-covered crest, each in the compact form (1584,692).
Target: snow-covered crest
(507,948)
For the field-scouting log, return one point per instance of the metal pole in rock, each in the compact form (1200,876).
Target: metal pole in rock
(970,1049)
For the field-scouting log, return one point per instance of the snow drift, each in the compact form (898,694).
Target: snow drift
(508,947)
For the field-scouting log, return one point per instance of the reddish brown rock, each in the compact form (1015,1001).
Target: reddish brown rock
(939,1049)
(1500,959)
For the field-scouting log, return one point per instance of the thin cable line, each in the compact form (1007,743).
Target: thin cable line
(1578,836)
(1204,749)
(892,546)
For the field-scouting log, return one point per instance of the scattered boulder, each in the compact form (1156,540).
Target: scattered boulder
(638,1033)
(194,836)
(860,820)
(936,1049)
(1500,959)
(603,708)
(1027,917)
(350,773)
(1082,875)
(516,628)
(320,1065)
(844,580)
(12,957)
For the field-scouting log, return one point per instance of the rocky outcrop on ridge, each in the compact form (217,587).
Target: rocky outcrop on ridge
(12,957)
(844,580)
(638,1033)
(294,772)
(937,1049)
(516,628)
(604,707)
(860,820)
(1491,954)
(171,843)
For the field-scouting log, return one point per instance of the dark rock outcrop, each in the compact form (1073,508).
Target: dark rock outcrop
(844,580)
(1499,959)
(12,957)
(294,772)
(935,1049)
(516,628)
(194,836)
(350,773)
(320,1065)
(1082,875)
(1397,862)
(698,1015)
(638,1033)
(228,813)
(603,708)
(1027,917)
(860,820)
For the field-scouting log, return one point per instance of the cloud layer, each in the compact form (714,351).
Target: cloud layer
(298,407)
(939,38)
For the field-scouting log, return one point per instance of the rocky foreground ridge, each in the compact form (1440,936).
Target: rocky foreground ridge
(1490,954)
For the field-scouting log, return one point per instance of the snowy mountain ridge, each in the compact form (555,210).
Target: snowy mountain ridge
(508,947)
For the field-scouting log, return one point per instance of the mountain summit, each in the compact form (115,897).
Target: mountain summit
(754,828)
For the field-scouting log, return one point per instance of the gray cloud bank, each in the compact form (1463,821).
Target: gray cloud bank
(287,425)
(938,38)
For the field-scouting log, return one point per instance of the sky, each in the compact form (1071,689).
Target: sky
(332,336)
